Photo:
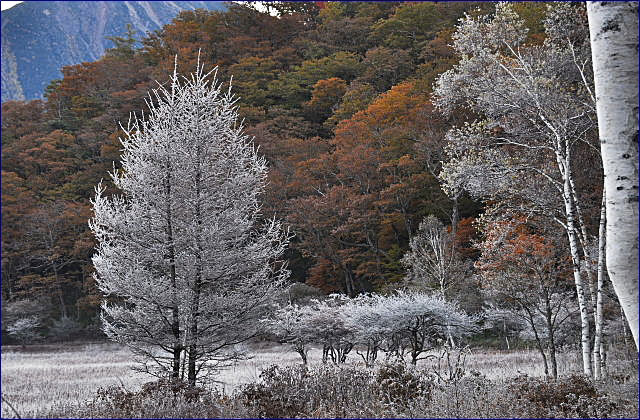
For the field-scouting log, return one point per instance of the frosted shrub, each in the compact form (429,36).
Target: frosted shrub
(65,328)
(25,330)
(403,323)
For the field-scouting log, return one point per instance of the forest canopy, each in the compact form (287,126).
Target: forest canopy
(339,98)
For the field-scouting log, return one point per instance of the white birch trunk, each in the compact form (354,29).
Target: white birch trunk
(584,244)
(613,28)
(565,170)
(582,304)
(597,341)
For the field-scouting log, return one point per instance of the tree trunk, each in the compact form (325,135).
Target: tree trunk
(184,361)
(325,352)
(417,344)
(584,242)
(348,282)
(175,319)
(597,341)
(454,219)
(565,170)
(551,332)
(302,352)
(603,359)
(613,27)
(63,307)
(193,345)
(177,351)
(197,284)
(552,358)
(540,348)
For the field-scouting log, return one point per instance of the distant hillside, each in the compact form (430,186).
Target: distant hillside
(39,38)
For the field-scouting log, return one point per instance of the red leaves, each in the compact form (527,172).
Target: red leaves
(514,253)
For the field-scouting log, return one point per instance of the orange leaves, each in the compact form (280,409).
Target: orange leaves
(391,107)
(16,200)
(341,114)
(325,96)
(466,236)
(50,154)
(394,121)
(518,252)
(525,244)
(20,118)
(320,273)
(365,192)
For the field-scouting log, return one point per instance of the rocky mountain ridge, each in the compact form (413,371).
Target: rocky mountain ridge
(40,37)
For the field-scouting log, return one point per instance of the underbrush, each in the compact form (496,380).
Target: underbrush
(159,399)
(335,391)
(393,390)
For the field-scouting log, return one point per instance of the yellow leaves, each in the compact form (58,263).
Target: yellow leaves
(399,108)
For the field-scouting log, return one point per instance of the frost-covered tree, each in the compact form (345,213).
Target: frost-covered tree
(526,274)
(432,260)
(291,324)
(614,44)
(327,322)
(366,317)
(23,319)
(184,258)
(25,329)
(538,110)
(423,321)
(320,321)
(405,322)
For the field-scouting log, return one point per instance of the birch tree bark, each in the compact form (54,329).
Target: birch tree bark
(613,28)
(521,90)
(597,341)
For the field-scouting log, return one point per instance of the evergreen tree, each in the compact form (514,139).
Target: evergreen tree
(182,257)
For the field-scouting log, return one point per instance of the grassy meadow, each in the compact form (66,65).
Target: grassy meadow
(36,379)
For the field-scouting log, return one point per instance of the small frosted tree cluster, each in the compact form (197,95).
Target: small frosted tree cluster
(183,257)
(406,323)
(292,324)
(318,322)
(25,330)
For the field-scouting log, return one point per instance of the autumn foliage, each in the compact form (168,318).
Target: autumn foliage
(336,95)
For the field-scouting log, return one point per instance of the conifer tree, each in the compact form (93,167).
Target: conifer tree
(184,257)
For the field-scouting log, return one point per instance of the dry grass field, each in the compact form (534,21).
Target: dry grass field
(36,379)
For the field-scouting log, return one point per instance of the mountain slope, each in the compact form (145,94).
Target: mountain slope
(39,38)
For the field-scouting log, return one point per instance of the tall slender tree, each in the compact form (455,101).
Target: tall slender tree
(613,27)
(537,111)
(432,261)
(183,258)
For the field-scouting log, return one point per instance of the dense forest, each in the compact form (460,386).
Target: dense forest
(330,209)
(339,98)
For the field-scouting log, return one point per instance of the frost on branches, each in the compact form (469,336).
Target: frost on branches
(538,109)
(527,276)
(184,258)
(405,323)
(432,261)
